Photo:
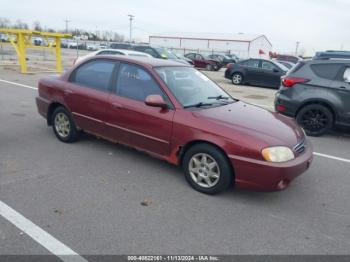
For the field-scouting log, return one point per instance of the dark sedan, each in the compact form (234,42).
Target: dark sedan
(256,72)
(224,59)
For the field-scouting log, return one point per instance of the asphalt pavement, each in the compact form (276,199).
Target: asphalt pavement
(88,195)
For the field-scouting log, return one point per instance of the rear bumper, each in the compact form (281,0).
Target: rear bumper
(42,106)
(227,74)
(258,175)
(289,106)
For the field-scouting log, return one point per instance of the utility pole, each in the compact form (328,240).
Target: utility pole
(66,21)
(296,48)
(131,17)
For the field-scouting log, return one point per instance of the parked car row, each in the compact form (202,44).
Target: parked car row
(316,92)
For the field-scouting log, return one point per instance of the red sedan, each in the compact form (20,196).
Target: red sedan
(175,113)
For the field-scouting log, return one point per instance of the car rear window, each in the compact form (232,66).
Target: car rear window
(328,71)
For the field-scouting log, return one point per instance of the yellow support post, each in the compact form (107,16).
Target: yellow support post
(23,38)
(22,50)
(58,54)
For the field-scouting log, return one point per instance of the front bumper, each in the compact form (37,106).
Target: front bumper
(258,175)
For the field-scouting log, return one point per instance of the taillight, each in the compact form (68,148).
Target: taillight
(281,108)
(288,81)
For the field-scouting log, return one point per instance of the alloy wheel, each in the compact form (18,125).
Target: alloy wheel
(62,125)
(314,120)
(237,79)
(204,170)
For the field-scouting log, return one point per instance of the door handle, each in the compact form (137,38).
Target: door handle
(117,105)
(68,91)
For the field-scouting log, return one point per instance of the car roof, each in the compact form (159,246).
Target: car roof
(146,61)
(327,61)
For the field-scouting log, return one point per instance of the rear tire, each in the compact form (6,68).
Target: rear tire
(237,79)
(207,169)
(64,126)
(315,119)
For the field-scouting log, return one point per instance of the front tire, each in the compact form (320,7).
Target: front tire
(209,67)
(207,169)
(64,126)
(237,79)
(315,119)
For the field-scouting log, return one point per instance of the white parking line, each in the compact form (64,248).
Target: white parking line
(39,235)
(18,84)
(266,106)
(332,157)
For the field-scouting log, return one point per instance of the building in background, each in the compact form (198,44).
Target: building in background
(242,45)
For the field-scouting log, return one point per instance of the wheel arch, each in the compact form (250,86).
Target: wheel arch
(184,148)
(324,103)
(51,109)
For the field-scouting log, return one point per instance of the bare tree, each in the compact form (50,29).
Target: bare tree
(37,26)
(20,25)
(4,22)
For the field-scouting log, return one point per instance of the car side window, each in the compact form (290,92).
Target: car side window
(327,71)
(190,56)
(199,57)
(95,74)
(346,75)
(135,83)
(251,63)
(268,65)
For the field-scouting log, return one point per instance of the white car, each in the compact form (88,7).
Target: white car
(112,52)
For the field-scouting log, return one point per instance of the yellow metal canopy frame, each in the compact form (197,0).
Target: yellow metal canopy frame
(21,40)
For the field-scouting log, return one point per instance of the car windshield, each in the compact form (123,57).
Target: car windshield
(192,88)
(165,53)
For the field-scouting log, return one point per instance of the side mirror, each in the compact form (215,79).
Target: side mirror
(275,70)
(155,101)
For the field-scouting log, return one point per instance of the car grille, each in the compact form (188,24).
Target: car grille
(300,147)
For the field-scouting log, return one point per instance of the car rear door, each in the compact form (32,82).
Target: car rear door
(199,61)
(86,94)
(131,120)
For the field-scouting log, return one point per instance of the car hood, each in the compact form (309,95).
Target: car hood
(270,128)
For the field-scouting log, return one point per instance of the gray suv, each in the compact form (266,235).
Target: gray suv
(317,93)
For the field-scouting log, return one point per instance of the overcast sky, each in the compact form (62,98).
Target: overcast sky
(316,24)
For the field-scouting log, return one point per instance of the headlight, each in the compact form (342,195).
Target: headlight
(277,154)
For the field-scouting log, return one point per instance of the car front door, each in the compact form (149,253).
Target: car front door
(270,74)
(135,123)
(86,94)
(251,71)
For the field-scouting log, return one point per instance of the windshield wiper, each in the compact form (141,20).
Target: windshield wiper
(200,104)
(218,97)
